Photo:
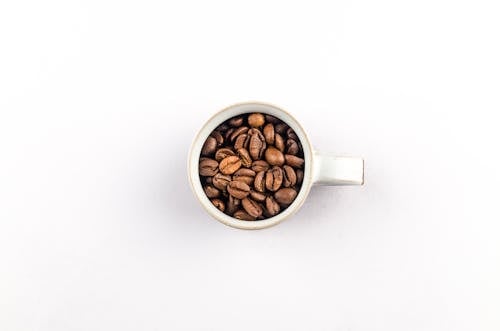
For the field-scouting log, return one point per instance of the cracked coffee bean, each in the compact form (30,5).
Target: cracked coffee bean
(251,166)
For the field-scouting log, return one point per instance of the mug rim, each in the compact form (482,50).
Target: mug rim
(218,118)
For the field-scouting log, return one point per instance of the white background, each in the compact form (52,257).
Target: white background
(99,102)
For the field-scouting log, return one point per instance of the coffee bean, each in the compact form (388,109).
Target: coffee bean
(246,160)
(251,166)
(223,153)
(251,207)
(260,165)
(257,144)
(294,161)
(242,141)
(238,189)
(220,181)
(236,121)
(289,176)
(260,183)
(232,205)
(237,132)
(257,196)
(211,191)
(274,156)
(292,147)
(243,215)
(256,120)
(279,143)
(269,133)
(229,165)
(285,196)
(218,137)
(208,167)
(274,178)
(209,146)
(244,175)
(300,176)
(272,207)
(219,204)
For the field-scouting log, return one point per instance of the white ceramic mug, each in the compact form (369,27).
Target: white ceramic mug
(319,168)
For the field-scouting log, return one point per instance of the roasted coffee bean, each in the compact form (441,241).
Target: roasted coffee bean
(289,176)
(285,196)
(230,165)
(279,143)
(219,204)
(274,179)
(251,166)
(238,189)
(242,141)
(257,144)
(218,137)
(237,132)
(209,146)
(272,207)
(294,161)
(269,133)
(220,181)
(244,175)
(251,207)
(260,165)
(256,120)
(236,121)
(211,191)
(257,196)
(292,147)
(223,153)
(274,156)
(246,159)
(232,204)
(281,128)
(300,176)
(243,215)
(260,183)
(208,167)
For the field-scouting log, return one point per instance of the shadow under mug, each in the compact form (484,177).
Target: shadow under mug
(319,168)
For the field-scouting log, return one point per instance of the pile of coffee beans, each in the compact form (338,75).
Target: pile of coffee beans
(251,166)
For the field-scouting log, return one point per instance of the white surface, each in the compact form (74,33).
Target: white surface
(99,101)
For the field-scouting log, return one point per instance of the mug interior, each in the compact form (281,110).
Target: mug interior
(215,121)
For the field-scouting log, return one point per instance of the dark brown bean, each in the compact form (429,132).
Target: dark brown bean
(294,161)
(219,204)
(274,179)
(243,215)
(230,165)
(218,137)
(257,196)
(244,175)
(222,128)
(220,181)
(238,189)
(232,204)
(246,159)
(223,153)
(242,141)
(281,128)
(269,133)
(279,143)
(285,196)
(211,191)
(289,176)
(251,207)
(272,119)
(272,207)
(290,134)
(228,134)
(274,156)
(209,146)
(257,144)
(300,176)
(260,165)
(236,121)
(256,120)
(292,147)
(208,167)
(237,132)
(259,183)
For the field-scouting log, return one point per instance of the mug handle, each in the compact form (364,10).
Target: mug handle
(337,170)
